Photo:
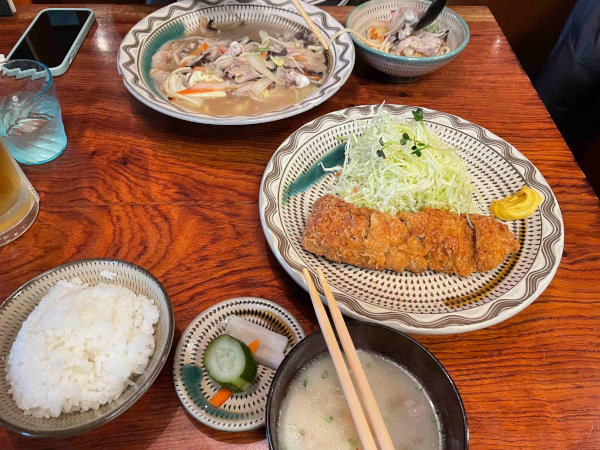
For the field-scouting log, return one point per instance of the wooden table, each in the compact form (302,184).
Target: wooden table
(181,200)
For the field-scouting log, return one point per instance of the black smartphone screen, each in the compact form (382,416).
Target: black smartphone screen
(51,37)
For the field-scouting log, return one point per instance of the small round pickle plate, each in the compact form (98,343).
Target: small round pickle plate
(241,412)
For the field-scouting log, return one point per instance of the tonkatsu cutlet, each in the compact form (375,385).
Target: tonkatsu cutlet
(432,239)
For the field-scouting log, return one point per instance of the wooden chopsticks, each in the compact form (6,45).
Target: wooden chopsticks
(359,374)
(364,432)
(310,24)
(358,415)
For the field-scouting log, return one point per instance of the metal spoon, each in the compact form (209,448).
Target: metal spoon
(431,14)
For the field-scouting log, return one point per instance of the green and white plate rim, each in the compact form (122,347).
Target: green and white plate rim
(172,21)
(246,411)
(428,303)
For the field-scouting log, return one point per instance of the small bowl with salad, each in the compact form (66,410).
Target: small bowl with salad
(385,37)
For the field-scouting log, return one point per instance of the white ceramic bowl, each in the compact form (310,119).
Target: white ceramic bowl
(15,309)
(173,21)
(405,68)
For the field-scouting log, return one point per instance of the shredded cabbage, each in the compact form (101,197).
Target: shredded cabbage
(382,173)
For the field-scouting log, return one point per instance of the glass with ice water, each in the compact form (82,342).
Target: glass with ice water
(19,203)
(30,121)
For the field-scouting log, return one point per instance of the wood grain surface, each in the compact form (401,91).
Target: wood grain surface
(181,200)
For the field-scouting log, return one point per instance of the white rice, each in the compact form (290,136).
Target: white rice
(79,347)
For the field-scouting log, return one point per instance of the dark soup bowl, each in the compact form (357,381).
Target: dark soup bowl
(399,348)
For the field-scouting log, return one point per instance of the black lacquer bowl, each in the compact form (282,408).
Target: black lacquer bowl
(396,346)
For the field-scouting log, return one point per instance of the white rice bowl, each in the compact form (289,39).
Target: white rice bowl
(79,347)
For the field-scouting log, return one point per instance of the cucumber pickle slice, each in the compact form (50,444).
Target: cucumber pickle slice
(230,363)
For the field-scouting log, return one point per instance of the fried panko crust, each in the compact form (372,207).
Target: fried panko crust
(432,239)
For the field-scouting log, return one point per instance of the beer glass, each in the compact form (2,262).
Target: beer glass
(19,203)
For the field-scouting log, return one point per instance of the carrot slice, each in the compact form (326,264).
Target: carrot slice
(198,68)
(264,54)
(220,397)
(196,52)
(200,49)
(194,91)
(254,346)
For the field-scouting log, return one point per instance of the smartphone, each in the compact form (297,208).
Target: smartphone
(54,37)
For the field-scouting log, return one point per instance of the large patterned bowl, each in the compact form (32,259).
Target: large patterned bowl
(19,305)
(173,21)
(404,68)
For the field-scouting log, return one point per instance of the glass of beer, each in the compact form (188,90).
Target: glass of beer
(19,203)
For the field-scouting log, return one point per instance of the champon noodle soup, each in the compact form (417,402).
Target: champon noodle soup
(239,68)
(315,414)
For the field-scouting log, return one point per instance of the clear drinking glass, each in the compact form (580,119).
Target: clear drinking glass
(30,121)
(19,203)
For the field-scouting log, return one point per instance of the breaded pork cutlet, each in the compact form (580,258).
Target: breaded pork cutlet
(432,239)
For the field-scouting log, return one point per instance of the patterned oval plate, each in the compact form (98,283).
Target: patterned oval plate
(134,59)
(244,411)
(427,303)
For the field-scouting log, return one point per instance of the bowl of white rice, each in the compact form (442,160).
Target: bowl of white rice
(79,344)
